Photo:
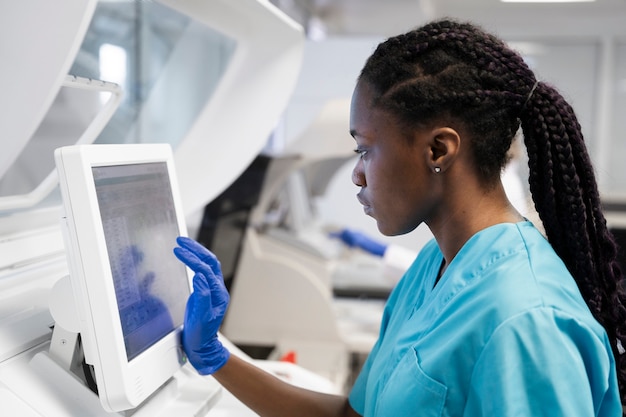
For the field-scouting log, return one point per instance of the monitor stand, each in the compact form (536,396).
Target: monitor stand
(185,394)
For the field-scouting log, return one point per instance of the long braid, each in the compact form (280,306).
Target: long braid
(458,72)
(571,212)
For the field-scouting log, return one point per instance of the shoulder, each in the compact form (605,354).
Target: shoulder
(505,272)
(555,345)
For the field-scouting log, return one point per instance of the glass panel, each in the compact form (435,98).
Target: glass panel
(167,65)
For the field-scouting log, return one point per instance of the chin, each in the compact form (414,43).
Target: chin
(385,230)
(397,231)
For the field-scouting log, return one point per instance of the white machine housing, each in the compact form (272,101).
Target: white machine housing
(41,40)
(122,383)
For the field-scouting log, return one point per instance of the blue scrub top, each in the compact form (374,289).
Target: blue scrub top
(505,332)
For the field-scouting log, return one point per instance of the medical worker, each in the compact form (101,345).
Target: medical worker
(492,319)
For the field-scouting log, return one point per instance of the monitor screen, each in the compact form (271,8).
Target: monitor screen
(139,224)
(122,214)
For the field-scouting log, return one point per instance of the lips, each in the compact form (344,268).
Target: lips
(366,206)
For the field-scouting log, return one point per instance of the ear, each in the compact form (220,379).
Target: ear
(445,144)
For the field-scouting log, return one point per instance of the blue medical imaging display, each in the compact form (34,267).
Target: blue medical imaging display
(140,228)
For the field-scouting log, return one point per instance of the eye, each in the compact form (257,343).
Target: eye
(361,152)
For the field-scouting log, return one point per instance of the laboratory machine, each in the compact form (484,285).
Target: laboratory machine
(77,269)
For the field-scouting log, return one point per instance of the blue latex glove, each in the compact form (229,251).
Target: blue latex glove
(205,308)
(360,240)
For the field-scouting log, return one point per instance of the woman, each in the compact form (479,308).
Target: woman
(491,319)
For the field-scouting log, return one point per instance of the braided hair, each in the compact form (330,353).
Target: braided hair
(457,72)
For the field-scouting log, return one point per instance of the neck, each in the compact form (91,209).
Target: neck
(453,228)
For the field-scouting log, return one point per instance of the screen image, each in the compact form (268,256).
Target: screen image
(140,228)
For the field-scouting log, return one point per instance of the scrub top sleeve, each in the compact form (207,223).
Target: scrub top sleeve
(544,363)
(358,393)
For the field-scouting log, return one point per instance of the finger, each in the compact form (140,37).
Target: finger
(201,284)
(212,292)
(195,247)
(216,285)
(201,252)
(192,261)
(219,295)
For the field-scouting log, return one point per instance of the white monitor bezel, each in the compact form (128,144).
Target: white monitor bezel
(122,384)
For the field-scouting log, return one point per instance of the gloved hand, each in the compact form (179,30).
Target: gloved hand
(358,239)
(205,308)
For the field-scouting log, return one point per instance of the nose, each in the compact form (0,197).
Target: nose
(358,177)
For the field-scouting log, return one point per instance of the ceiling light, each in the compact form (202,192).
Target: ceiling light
(547,1)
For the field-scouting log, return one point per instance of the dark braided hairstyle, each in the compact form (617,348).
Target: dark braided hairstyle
(454,71)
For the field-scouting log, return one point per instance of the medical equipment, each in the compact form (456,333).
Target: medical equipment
(358,239)
(255,81)
(122,213)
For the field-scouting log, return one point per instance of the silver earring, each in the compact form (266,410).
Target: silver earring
(437,170)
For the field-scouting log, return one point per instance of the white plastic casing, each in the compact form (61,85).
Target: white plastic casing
(122,384)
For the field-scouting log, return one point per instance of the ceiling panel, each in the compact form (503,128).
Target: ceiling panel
(389,17)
